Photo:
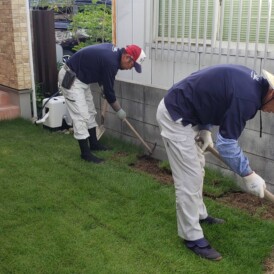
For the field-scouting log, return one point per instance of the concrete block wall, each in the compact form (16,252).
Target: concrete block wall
(140,103)
(15,71)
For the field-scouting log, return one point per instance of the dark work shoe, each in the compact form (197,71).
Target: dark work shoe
(91,158)
(98,147)
(207,252)
(203,249)
(211,220)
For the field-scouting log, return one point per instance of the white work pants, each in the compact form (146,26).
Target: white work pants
(187,164)
(79,101)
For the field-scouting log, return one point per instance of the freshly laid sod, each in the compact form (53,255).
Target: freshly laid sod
(59,214)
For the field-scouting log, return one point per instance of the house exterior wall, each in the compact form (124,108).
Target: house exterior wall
(15,73)
(140,93)
(134,25)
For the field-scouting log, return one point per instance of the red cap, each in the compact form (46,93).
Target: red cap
(138,56)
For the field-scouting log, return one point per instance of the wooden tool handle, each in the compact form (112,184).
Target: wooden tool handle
(269,196)
(103,112)
(138,135)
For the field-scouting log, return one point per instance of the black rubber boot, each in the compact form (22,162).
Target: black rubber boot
(93,142)
(86,154)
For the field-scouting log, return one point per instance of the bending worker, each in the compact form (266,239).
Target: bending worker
(226,96)
(94,64)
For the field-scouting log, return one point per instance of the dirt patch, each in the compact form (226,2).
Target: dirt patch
(246,202)
(151,166)
(249,203)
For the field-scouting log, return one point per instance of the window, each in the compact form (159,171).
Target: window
(179,18)
(250,14)
(214,21)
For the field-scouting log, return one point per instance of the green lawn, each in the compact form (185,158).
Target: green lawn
(59,214)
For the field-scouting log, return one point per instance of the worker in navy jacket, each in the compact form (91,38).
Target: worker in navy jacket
(226,96)
(94,64)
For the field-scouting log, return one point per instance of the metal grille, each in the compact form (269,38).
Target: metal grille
(238,28)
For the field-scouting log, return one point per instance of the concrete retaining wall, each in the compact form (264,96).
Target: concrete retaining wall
(141,101)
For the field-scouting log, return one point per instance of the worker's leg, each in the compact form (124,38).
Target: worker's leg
(188,176)
(92,124)
(78,109)
(186,171)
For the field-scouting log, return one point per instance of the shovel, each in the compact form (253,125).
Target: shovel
(100,130)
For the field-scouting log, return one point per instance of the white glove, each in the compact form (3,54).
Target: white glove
(205,139)
(121,114)
(254,184)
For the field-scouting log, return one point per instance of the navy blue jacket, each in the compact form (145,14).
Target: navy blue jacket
(97,64)
(222,95)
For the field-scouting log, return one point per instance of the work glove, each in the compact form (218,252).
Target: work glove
(121,114)
(205,139)
(254,184)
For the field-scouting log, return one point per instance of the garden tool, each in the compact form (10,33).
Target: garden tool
(267,194)
(101,129)
(150,150)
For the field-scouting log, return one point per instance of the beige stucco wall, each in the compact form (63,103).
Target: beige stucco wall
(15,69)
